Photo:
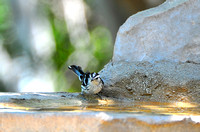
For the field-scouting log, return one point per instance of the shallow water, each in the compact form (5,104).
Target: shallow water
(178,108)
(63,102)
(71,111)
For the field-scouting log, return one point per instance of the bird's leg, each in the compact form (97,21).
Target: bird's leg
(82,96)
(99,96)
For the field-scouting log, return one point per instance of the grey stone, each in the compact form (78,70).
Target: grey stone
(161,81)
(157,55)
(170,31)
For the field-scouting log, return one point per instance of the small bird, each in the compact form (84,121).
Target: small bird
(91,82)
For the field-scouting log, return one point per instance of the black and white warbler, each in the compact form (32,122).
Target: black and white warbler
(91,82)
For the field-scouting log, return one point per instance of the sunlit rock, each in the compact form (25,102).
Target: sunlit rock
(157,55)
(161,81)
(170,31)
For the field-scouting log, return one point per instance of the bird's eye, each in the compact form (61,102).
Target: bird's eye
(96,78)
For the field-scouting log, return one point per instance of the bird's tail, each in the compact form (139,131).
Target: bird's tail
(77,70)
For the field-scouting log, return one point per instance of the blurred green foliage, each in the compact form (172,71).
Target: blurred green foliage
(4,16)
(100,42)
(63,47)
(5,26)
(6,23)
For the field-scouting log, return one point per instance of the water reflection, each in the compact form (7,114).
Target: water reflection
(155,108)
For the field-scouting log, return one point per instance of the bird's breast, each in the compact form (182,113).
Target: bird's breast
(94,87)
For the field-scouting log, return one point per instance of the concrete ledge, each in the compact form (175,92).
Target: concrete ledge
(94,121)
(71,112)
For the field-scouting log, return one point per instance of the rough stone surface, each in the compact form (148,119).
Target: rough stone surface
(157,55)
(170,31)
(161,81)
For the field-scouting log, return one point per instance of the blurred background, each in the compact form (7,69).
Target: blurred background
(40,38)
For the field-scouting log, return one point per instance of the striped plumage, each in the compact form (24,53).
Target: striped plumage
(91,82)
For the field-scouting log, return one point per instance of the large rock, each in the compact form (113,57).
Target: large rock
(170,31)
(157,55)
